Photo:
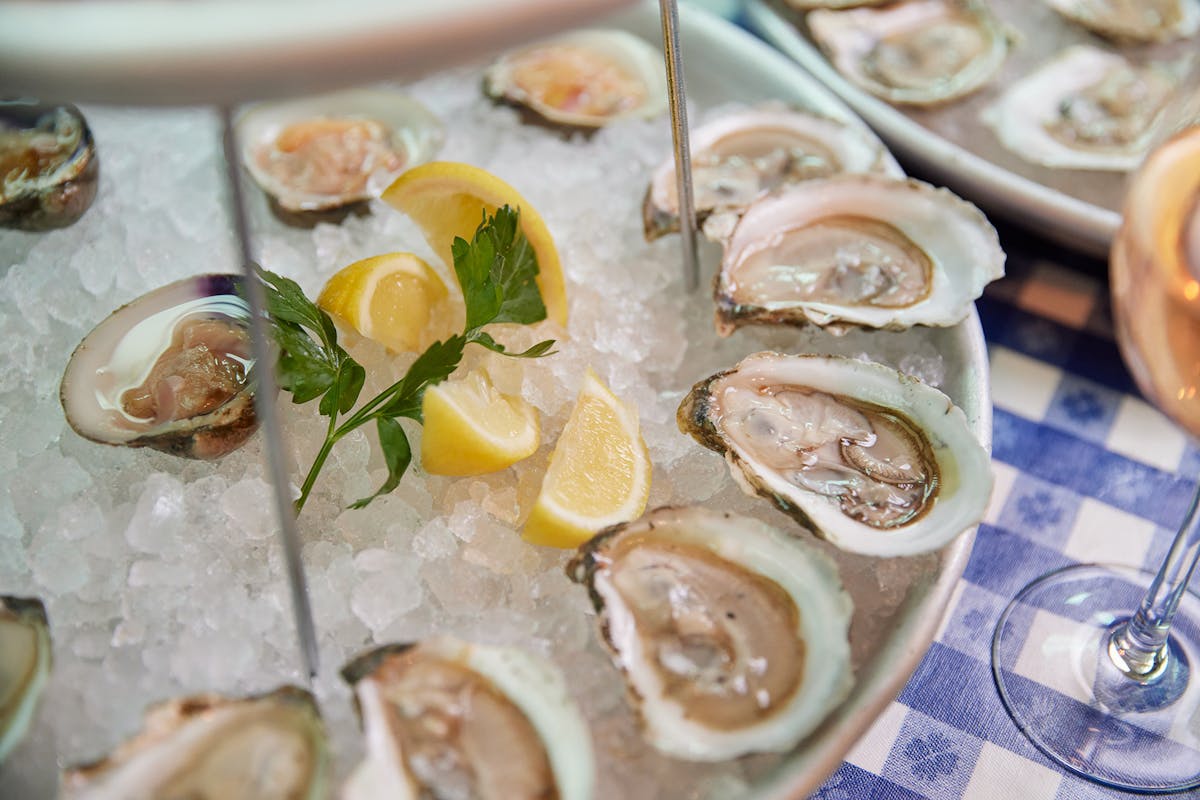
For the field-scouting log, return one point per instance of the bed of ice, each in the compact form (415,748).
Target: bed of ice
(163,577)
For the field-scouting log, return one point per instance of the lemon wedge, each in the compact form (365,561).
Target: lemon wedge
(447,199)
(472,429)
(599,472)
(387,298)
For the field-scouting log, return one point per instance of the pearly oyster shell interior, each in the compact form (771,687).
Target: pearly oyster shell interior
(171,370)
(447,718)
(732,637)
(25,655)
(1133,20)
(915,52)
(874,461)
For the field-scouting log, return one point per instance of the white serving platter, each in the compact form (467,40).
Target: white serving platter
(890,636)
(950,144)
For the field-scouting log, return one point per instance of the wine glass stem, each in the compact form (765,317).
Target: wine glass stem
(1138,647)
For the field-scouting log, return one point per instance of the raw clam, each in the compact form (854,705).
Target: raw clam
(24,666)
(172,370)
(1086,109)
(731,636)
(445,718)
(740,157)
(1133,20)
(322,157)
(862,250)
(874,461)
(49,170)
(582,79)
(268,747)
(915,52)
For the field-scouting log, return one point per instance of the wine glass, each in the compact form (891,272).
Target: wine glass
(1100,665)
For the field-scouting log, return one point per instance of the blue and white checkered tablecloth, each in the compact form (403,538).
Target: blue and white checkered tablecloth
(1085,471)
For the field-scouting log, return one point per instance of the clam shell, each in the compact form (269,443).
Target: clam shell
(59,195)
(25,656)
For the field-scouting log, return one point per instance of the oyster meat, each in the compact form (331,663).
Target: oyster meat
(583,79)
(915,52)
(731,636)
(207,747)
(322,157)
(24,666)
(1133,20)
(172,370)
(740,157)
(874,461)
(449,719)
(860,250)
(1086,109)
(49,170)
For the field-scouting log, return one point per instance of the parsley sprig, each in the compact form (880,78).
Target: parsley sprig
(496,270)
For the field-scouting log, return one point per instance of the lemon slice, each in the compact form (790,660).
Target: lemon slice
(471,428)
(599,472)
(387,298)
(446,199)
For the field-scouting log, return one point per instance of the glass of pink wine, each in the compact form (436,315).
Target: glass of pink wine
(1100,665)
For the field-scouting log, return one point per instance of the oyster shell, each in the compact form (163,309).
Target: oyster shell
(172,370)
(874,461)
(268,747)
(732,637)
(1086,109)
(740,157)
(916,52)
(322,157)
(856,249)
(49,170)
(24,666)
(1133,20)
(445,718)
(582,79)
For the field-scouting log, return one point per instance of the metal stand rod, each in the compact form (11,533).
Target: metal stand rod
(264,405)
(677,98)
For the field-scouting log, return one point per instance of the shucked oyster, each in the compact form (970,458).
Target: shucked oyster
(858,249)
(582,79)
(24,666)
(1087,109)
(1133,20)
(330,153)
(731,636)
(875,461)
(449,719)
(740,157)
(918,52)
(270,747)
(49,170)
(172,370)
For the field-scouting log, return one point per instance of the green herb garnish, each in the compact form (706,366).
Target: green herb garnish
(496,271)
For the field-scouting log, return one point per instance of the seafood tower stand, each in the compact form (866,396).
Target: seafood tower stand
(205,576)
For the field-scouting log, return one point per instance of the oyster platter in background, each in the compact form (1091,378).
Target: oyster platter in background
(855,401)
(1035,109)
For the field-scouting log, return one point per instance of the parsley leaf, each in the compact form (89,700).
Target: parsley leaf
(497,271)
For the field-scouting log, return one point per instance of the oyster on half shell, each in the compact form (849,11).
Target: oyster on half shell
(731,636)
(582,79)
(24,666)
(874,461)
(1133,20)
(269,747)
(914,52)
(739,157)
(171,370)
(49,168)
(1086,109)
(449,719)
(862,250)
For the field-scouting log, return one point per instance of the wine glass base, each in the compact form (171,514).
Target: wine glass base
(1049,657)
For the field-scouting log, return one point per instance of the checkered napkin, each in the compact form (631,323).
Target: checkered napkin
(1085,471)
